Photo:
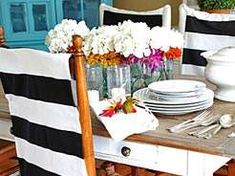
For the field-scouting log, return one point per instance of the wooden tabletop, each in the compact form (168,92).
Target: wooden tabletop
(218,145)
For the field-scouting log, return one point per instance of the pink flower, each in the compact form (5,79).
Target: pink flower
(153,61)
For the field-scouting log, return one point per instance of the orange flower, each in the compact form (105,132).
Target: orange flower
(109,59)
(173,53)
(111,110)
(126,107)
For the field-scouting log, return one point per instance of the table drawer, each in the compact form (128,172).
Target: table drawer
(142,155)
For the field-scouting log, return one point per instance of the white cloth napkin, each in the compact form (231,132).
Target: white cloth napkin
(122,125)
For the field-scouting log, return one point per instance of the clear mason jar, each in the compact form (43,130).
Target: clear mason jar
(118,81)
(95,80)
(142,75)
(169,68)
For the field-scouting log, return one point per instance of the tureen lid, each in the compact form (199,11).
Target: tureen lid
(228,51)
(224,54)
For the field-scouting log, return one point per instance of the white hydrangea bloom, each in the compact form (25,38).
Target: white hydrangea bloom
(133,38)
(126,38)
(100,40)
(60,38)
(164,38)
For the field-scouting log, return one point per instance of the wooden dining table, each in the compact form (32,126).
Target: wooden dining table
(177,153)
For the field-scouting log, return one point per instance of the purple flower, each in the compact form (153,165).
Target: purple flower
(132,59)
(153,61)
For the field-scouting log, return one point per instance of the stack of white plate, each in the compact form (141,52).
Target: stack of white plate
(175,97)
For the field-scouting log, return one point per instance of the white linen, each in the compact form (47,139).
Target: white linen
(122,125)
(37,86)
(56,162)
(35,62)
(62,117)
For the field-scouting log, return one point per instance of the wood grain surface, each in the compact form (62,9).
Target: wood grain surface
(218,145)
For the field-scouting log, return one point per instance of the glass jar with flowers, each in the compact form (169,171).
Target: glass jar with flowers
(99,49)
(149,52)
(59,40)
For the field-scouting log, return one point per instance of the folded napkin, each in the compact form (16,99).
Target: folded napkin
(122,125)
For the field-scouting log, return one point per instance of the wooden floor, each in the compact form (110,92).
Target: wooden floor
(8,161)
(125,170)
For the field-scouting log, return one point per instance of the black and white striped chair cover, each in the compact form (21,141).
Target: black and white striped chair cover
(203,31)
(112,16)
(37,86)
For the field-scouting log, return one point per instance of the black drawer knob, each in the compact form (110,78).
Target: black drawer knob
(126,151)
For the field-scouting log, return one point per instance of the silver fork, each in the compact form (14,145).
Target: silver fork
(191,122)
(210,119)
(209,124)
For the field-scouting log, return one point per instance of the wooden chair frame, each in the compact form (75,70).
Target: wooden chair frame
(83,105)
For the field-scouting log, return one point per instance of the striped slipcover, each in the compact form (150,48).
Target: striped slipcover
(47,133)
(202,32)
(158,17)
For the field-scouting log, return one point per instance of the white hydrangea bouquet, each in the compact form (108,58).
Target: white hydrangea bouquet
(111,45)
(59,39)
(134,42)
(126,43)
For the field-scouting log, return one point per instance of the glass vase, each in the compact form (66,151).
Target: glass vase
(142,75)
(118,81)
(169,69)
(95,80)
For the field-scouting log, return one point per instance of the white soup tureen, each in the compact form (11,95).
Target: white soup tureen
(220,71)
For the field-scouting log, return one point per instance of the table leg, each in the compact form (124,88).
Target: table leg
(231,169)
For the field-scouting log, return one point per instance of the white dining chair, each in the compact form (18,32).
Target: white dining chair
(112,16)
(202,32)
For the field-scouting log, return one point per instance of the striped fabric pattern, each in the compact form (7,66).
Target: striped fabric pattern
(45,121)
(202,32)
(159,17)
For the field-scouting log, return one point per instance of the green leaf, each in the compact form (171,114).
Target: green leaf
(216,4)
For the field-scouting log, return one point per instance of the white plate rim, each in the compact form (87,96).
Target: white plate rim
(177,106)
(210,95)
(180,108)
(181,112)
(195,86)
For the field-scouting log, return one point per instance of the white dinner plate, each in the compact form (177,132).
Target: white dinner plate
(179,106)
(167,112)
(145,96)
(175,109)
(176,86)
(177,97)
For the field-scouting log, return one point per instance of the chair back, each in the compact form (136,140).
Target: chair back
(49,138)
(112,16)
(202,32)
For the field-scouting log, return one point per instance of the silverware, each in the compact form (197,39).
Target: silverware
(225,121)
(205,118)
(203,132)
(210,120)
